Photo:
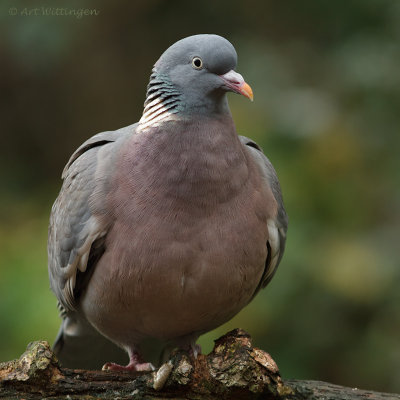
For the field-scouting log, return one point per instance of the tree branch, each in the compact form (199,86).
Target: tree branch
(233,370)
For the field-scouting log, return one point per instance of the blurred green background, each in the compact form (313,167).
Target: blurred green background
(326,80)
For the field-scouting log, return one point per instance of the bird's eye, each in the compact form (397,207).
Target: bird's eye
(197,63)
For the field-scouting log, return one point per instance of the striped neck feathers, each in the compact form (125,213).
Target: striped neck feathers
(163,101)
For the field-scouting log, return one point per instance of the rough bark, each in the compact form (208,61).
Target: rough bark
(233,370)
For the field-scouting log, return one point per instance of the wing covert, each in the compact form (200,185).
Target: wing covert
(277,225)
(74,224)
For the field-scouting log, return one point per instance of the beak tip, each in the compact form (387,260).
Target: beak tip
(247,91)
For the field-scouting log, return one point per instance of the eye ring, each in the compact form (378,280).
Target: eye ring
(197,63)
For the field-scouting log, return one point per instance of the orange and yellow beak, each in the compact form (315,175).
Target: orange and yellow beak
(235,82)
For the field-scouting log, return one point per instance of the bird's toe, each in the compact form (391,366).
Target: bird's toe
(131,367)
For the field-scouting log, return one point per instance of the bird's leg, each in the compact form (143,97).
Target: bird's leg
(136,363)
(189,344)
(192,348)
(195,349)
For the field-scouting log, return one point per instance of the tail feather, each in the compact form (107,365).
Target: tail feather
(78,345)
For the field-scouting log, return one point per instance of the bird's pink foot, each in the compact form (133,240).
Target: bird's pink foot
(136,363)
(131,367)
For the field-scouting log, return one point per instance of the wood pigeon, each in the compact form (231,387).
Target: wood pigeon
(167,228)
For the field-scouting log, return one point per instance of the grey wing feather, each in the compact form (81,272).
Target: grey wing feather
(95,141)
(74,228)
(277,226)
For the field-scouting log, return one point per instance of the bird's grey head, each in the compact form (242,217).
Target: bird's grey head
(192,77)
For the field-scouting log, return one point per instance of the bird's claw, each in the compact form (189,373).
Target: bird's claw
(134,367)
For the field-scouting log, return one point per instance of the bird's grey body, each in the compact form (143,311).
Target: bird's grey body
(164,229)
